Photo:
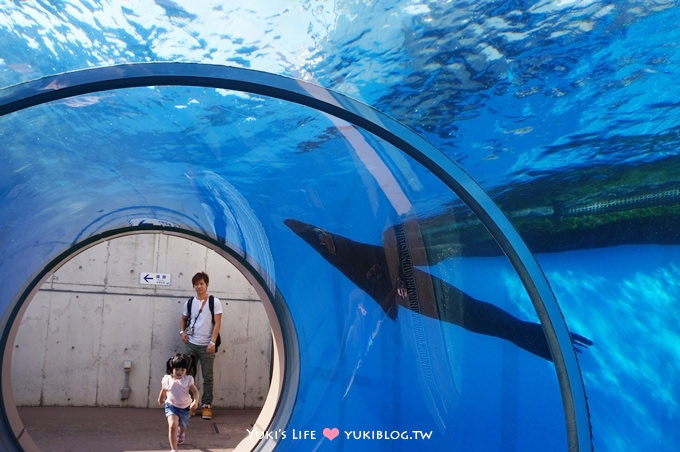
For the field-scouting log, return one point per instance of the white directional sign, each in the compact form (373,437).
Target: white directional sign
(159,279)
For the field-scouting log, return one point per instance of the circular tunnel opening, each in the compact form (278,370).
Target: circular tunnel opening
(362,177)
(95,331)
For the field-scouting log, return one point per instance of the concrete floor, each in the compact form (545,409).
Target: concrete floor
(75,429)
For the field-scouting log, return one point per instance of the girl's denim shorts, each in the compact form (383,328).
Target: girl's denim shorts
(182,413)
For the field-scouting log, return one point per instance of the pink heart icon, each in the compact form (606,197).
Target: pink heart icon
(331,433)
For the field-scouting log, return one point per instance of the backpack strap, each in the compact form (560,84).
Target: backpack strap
(211,305)
(189,312)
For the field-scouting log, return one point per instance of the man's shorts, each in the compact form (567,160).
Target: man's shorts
(182,413)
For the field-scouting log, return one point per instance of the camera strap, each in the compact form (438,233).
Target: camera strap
(199,312)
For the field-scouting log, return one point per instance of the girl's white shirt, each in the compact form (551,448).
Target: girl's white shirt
(179,393)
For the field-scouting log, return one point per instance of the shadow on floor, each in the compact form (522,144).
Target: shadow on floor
(79,429)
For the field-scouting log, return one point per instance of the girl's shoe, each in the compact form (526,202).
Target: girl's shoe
(180,438)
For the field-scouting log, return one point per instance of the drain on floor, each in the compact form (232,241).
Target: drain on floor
(222,429)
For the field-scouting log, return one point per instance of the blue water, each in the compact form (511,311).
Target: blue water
(515,93)
(626,308)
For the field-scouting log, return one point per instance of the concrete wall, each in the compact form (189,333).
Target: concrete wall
(93,314)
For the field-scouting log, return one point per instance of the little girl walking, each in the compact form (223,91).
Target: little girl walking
(177,389)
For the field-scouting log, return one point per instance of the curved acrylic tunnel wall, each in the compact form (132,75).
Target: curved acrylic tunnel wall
(388,325)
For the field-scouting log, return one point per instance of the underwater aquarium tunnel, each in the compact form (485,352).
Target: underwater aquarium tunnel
(374,312)
(462,218)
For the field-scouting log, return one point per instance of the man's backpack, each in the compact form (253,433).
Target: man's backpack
(211,305)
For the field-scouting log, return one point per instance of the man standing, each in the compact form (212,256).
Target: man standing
(199,328)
